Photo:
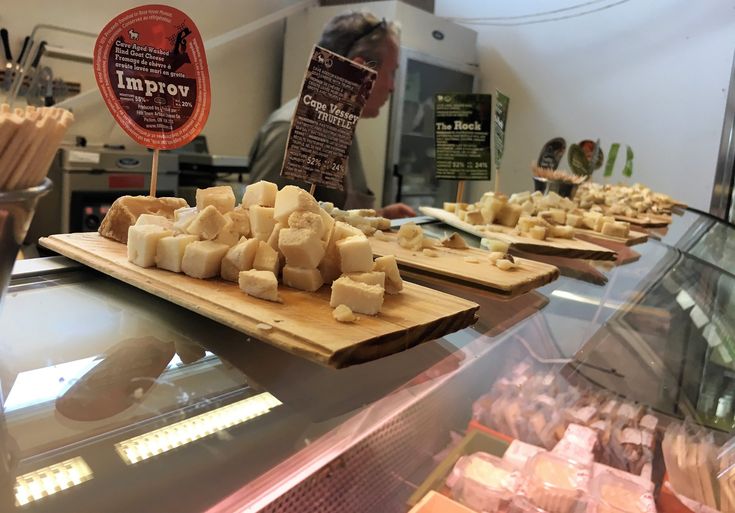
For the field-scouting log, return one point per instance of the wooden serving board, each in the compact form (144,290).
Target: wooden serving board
(632,239)
(647,220)
(302,324)
(451,263)
(570,248)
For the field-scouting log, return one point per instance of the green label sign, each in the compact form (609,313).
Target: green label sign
(501,118)
(462,136)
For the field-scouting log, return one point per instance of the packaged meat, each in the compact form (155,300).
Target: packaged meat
(483,482)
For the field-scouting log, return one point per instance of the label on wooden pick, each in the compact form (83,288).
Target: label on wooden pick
(151,69)
(330,104)
(462,136)
(502,103)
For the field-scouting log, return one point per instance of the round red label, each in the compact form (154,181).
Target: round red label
(151,69)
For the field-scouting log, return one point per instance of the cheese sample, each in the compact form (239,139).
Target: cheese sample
(170,251)
(454,241)
(411,236)
(343,314)
(261,193)
(261,220)
(183,218)
(371,278)
(161,221)
(563,232)
(273,239)
(450,207)
(228,234)
(328,222)
(537,232)
(359,297)
(509,215)
(266,258)
(260,284)
(330,264)
(301,247)
(602,220)
(203,259)
(355,254)
(307,221)
(239,258)
(387,264)
(504,264)
(125,210)
(207,223)
(309,280)
(616,229)
(290,199)
(574,220)
(240,221)
(142,243)
(221,197)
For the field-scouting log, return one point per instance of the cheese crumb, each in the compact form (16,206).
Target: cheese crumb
(430,253)
(505,265)
(263,326)
(471,260)
(343,313)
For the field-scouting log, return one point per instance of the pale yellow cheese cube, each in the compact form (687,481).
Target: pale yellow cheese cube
(301,247)
(265,237)
(261,220)
(589,219)
(343,314)
(537,232)
(241,221)
(221,197)
(266,258)
(207,223)
(387,264)
(260,193)
(308,221)
(170,251)
(355,255)
(371,278)
(143,241)
(239,258)
(450,207)
(330,265)
(411,236)
(474,217)
(260,284)
(574,220)
(303,279)
(203,259)
(183,218)
(359,297)
(602,220)
(461,214)
(509,215)
(228,234)
(161,221)
(292,198)
(616,229)
(328,222)
(563,232)
(273,239)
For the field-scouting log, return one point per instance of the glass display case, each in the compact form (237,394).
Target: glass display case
(115,400)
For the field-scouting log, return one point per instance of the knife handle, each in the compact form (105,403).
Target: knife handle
(6,45)
(39,54)
(24,48)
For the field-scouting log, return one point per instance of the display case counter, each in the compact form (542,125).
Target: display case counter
(115,400)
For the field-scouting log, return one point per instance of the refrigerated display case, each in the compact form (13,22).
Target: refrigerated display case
(116,400)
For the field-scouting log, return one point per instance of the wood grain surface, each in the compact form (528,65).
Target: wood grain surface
(302,324)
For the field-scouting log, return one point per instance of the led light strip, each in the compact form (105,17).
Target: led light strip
(167,438)
(49,480)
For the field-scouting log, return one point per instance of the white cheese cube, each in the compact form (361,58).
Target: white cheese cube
(170,251)
(241,221)
(239,258)
(183,218)
(303,279)
(207,223)
(301,247)
(261,220)
(228,234)
(616,228)
(266,258)
(359,297)
(602,220)
(387,264)
(355,255)
(203,259)
(260,193)
(307,221)
(273,239)
(574,220)
(330,264)
(142,243)
(292,198)
(161,221)
(260,284)
(563,232)
(265,237)
(537,232)
(221,197)
(328,222)
(371,278)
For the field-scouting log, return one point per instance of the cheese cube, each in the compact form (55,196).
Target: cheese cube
(125,211)
(228,234)
(556,215)
(563,232)
(273,239)
(462,214)
(450,207)
(265,237)
(509,215)
(475,217)
(260,284)
(330,264)
(301,247)
(574,220)
(261,220)
(183,218)
(307,221)
(303,279)
(355,255)
(207,223)
(387,264)
(411,236)
(260,193)
(327,206)
(266,258)
(292,198)
(359,297)
(170,251)
(602,220)
(589,219)
(203,259)
(328,222)
(154,219)
(239,258)
(142,243)
(241,221)
(221,197)
(616,229)
(343,314)
(537,232)
(371,278)
(494,245)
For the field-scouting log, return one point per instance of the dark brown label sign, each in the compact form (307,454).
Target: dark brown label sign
(151,69)
(332,97)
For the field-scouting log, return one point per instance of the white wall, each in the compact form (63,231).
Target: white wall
(245,74)
(653,74)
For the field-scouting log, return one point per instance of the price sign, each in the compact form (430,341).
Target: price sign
(462,136)
(332,97)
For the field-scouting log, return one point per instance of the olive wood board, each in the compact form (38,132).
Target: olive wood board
(570,248)
(302,324)
(526,276)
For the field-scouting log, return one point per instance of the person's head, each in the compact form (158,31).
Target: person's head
(365,39)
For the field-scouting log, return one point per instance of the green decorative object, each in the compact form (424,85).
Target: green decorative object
(628,169)
(577,160)
(611,156)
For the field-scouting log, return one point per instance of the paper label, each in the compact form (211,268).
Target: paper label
(150,66)
(332,97)
(462,136)
(84,157)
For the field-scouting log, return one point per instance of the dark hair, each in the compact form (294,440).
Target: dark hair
(360,34)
